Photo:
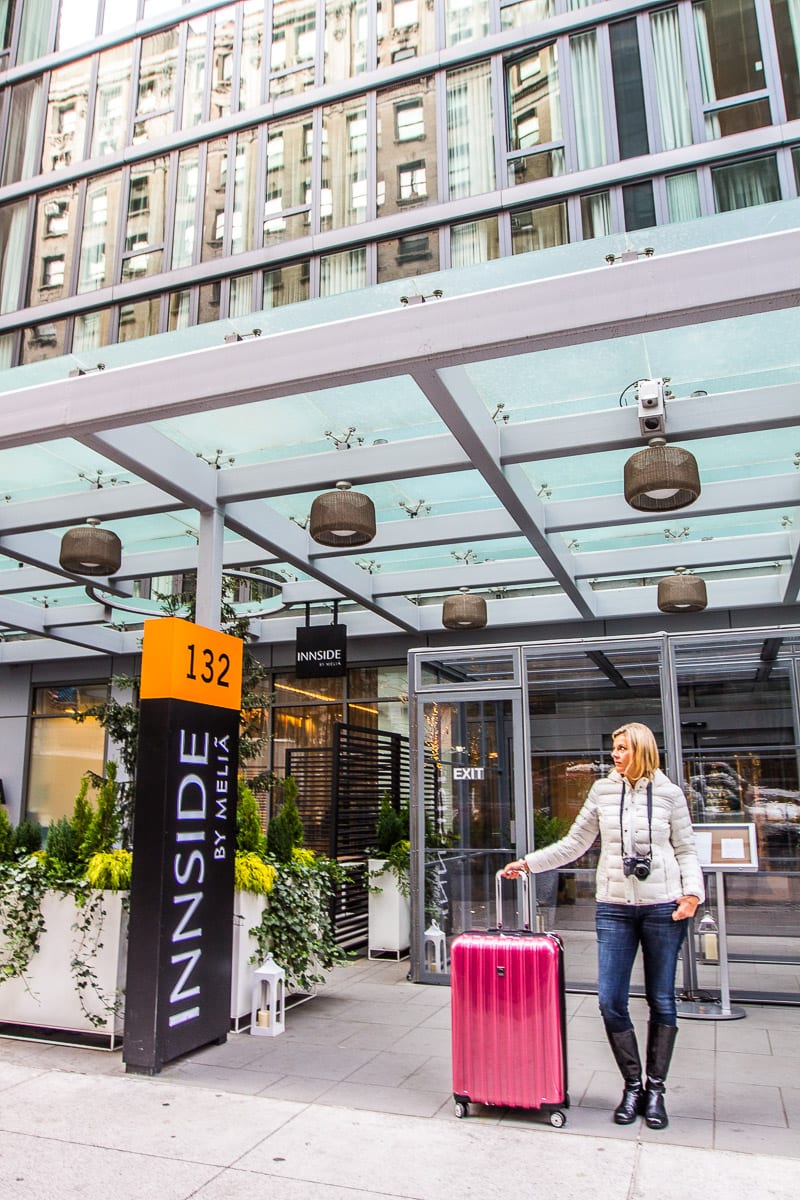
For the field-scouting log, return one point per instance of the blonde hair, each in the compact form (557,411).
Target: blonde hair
(644,751)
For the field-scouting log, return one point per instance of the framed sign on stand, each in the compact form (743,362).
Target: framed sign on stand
(722,849)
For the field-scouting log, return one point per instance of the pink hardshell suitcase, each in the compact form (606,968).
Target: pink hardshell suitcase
(509,1018)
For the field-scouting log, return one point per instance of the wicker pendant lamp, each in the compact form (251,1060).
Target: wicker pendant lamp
(464,611)
(661,478)
(342,518)
(682,593)
(89,550)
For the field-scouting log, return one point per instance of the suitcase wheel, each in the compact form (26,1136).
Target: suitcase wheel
(557,1119)
(462,1109)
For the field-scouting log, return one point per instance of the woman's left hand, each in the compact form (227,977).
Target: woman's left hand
(686,907)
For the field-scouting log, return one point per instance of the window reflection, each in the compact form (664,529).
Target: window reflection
(344,171)
(155,102)
(54,239)
(194,78)
(406,28)
(99,233)
(294,45)
(343,272)
(43,341)
(466,19)
(214,208)
(65,124)
(140,319)
(539,228)
(407,160)
(288,172)
(222,62)
(345,39)
(183,238)
(414,253)
(245,180)
(287,284)
(144,230)
(534,98)
(744,184)
(111,102)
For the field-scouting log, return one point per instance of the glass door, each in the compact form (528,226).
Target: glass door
(467,828)
(576,697)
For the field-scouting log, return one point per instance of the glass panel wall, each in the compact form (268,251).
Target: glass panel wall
(725,710)
(62,750)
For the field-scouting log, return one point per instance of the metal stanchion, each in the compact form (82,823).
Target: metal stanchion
(699,1005)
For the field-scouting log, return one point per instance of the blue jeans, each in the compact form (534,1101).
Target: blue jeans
(621,929)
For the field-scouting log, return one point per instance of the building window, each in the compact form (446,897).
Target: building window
(470,131)
(534,113)
(731,64)
(139,196)
(411,181)
(638,205)
(409,121)
(414,247)
(53,270)
(626,68)
(744,184)
(539,228)
(56,215)
(62,749)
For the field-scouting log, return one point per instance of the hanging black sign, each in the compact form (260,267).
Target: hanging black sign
(320,650)
(184,837)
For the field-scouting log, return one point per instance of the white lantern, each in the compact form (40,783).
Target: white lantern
(435,948)
(268,1008)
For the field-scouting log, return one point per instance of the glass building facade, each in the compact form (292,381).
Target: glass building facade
(165,165)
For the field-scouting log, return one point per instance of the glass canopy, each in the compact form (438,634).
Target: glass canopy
(489,424)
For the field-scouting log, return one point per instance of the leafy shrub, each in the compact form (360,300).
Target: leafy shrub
(104,826)
(285,830)
(110,870)
(6,836)
(392,825)
(62,850)
(252,874)
(296,926)
(249,834)
(28,837)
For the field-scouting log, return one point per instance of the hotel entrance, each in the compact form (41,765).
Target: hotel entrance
(507,741)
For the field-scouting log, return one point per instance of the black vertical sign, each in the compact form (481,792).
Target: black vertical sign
(184,841)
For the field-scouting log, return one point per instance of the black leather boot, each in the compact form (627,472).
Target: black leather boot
(660,1043)
(626,1052)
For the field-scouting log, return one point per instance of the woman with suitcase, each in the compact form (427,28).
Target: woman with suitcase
(648,884)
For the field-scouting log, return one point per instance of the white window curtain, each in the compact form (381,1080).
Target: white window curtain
(683,197)
(6,347)
(241,301)
(746,184)
(673,93)
(87,332)
(34,29)
(596,215)
(343,272)
(183,239)
(20,160)
(469,244)
(12,254)
(470,132)
(706,69)
(588,98)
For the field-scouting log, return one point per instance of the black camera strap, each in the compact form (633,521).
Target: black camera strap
(649,822)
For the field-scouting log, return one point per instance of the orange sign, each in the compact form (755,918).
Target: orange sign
(182,661)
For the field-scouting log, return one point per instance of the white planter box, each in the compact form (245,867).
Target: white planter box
(247,911)
(389,926)
(47,998)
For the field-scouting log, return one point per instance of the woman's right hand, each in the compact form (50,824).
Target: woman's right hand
(514,869)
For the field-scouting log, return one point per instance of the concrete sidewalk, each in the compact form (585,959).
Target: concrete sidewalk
(353,1102)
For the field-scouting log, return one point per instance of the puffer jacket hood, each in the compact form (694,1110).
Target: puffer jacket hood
(618,812)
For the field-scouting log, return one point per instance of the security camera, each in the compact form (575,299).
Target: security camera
(652,412)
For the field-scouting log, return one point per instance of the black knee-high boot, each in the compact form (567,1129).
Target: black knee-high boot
(626,1053)
(660,1043)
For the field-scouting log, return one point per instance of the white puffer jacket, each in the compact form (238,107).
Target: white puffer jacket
(675,869)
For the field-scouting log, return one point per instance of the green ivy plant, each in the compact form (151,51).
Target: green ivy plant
(23,884)
(296,927)
(392,846)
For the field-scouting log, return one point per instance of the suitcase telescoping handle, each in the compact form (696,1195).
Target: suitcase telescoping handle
(526,903)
